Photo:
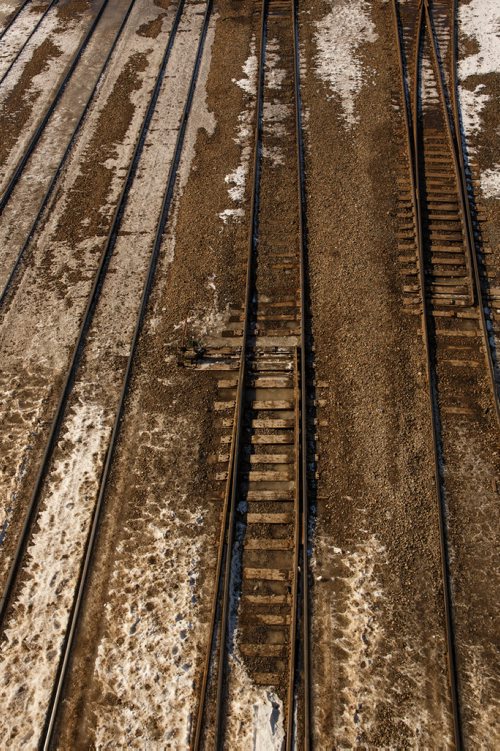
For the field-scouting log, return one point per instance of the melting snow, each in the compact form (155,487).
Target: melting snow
(338,37)
(481,21)
(472,105)
(490,182)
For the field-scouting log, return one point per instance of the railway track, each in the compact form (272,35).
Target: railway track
(63,160)
(264,460)
(12,18)
(17,171)
(30,35)
(444,279)
(16,567)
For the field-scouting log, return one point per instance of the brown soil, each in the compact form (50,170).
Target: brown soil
(38,8)
(18,106)
(375,462)
(152,28)
(81,220)
(69,10)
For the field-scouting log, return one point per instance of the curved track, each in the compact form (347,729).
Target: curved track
(267,465)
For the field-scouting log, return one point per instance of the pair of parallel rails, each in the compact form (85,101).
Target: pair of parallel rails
(439,251)
(267,474)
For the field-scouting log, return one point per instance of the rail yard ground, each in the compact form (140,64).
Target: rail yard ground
(250,317)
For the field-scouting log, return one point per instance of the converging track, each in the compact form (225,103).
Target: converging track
(443,275)
(262,614)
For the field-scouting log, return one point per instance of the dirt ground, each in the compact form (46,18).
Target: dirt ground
(378,633)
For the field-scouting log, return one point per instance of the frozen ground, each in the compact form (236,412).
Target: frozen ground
(238,177)
(359,664)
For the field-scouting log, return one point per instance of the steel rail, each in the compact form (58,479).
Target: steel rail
(69,146)
(449,133)
(200,712)
(92,301)
(296,550)
(240,393)
(436,423)
(30,36)
(54,705)
(301,418)
(412,131)
(301,191)
(453,133)
(12,182)
(13,18)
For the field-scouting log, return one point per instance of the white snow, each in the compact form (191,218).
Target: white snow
(28,656)
(481,21)
(275,113)
(229,214)
(339,36)
(473,103)
(237,178)
(147,657)
(255,718)
(249,68)
(490,182)
(354,623)
(275,75)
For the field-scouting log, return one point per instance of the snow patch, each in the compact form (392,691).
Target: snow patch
(200,118)
(490,182)
(147,657)
(275,113)
(472,105)
(29,654)
(339,36)
(480,20)
(249,68)
(256,714)
(238,177)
